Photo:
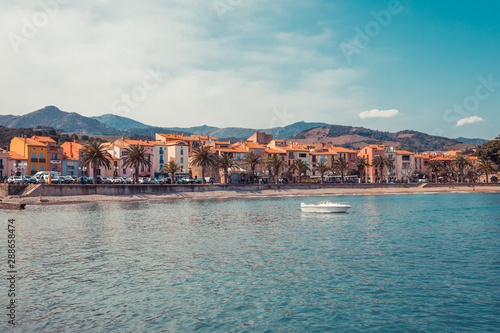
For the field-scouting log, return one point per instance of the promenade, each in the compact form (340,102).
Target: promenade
(63,194)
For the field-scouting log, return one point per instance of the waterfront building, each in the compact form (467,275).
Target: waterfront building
(54,154)
(370,152)
(349,155)
(17,165)
(404,165)
(72,155)
(34,151)
(4,162)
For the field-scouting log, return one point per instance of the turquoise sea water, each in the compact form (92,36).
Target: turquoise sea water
(419,263)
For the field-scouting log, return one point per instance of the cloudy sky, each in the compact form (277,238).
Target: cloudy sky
(426,65)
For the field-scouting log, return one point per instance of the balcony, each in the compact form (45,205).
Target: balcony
(41,160)
(34,160)
(55,161)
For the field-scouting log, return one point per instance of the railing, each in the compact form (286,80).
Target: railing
(34,159)
(41,160)
(33,172)
(55,161)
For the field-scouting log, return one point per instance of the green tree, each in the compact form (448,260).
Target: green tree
(172,168)
(361,164)
(322,168)
(381,162)
(461,163)
(487,167)
(301,167)
(490,151)
(135,157)
(435,166)
(277,165)
(203,157)
(340,165)
(226,162)
(251,161)
(96,155)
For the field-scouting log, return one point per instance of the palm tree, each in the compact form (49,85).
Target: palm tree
(135,157)
(251,161)
(380,162)
(340,165)
(301,167)
(277,164)
(322,168)
(172,168)
(203,157)
(95,153)
(361,165)
(435,166)
(487,167)
(226,162)
(461,162)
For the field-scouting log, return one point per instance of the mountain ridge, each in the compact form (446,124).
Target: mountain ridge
(349,136)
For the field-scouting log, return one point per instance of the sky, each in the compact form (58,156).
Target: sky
(426,65)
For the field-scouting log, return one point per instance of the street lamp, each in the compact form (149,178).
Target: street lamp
(20,166)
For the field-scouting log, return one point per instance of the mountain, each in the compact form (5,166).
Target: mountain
(348,136)
(358,137)
(51,116)
(120,123)
(475,142)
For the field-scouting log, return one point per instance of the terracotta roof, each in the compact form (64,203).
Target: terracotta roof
(344,150)
(274,151)
(43,139)
(31,142)
(15,156)
(404,152)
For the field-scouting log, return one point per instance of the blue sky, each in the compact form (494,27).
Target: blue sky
(430,66)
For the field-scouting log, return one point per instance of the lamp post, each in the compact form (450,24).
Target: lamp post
(20,166)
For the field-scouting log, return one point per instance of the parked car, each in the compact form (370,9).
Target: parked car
(15,180)
(29,179)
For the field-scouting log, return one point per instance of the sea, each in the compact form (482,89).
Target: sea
(393,263)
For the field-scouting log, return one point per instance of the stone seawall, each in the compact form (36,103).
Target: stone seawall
(116,190)
(109,189)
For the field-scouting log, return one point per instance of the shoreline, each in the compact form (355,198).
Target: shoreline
(241,194)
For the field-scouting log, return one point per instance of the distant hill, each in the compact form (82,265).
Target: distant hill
(51,116)
(475,142)
(358,137)
(348,136)
(120,123)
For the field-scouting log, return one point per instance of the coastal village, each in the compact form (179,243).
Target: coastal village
(293,161)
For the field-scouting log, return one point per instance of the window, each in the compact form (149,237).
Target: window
(406,157)
(54,156)
(302,155)
(238,156)
(42,167)
(124,171)
(33,168)
(161,159)
(182,159)
(182,151)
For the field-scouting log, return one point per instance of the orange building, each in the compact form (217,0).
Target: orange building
(34,151)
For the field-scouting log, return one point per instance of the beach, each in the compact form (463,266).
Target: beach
(241,193)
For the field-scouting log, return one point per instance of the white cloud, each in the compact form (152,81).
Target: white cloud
(221,73)
(376,113)
(469,120)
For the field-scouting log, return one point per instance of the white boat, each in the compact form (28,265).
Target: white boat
(325,207)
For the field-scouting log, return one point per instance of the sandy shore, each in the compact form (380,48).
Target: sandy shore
(249,194)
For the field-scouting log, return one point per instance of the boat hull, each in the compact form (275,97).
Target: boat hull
(324,208)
